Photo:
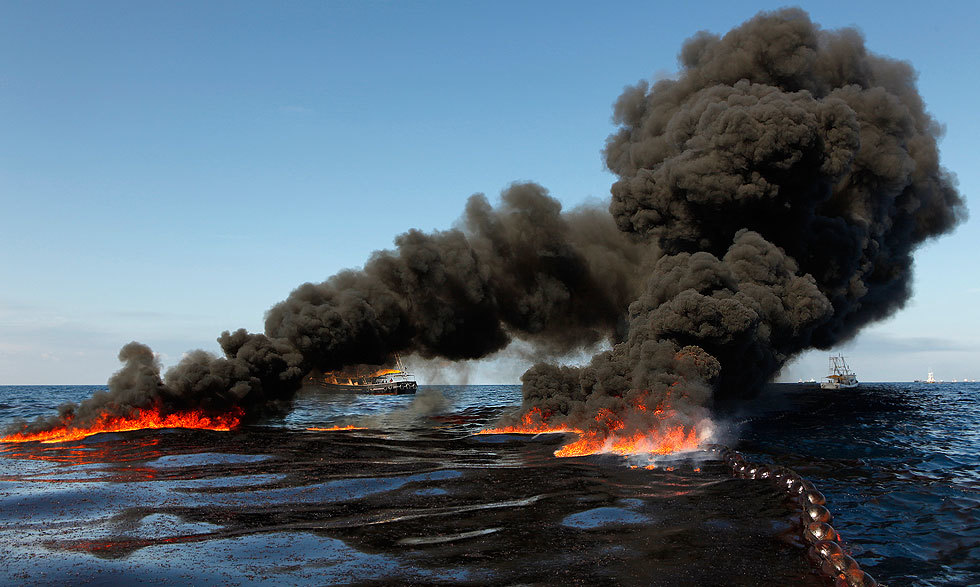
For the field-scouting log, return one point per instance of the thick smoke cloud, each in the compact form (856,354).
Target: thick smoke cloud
(562,280)
(768,200)
(558,279)
(786,176)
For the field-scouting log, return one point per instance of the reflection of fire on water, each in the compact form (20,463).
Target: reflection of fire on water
(337,428)
(608,435)
(139,419)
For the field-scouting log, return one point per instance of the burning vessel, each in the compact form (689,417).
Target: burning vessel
(768,200)
(840,375)
(384,381)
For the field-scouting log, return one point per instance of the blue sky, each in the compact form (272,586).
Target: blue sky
(169,170)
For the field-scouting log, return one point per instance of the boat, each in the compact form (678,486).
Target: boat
(932,378)
(374,380)
(841,376)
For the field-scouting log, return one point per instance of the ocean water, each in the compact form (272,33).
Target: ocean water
(899,464)
(417,497)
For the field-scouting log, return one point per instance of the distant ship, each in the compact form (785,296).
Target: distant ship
(383,381)
(840,376)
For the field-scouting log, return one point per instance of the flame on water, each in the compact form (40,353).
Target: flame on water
(655,443)
(533,422)
(607,436)
(336,428)
(138,419)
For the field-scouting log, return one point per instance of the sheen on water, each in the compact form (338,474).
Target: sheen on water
(407,491)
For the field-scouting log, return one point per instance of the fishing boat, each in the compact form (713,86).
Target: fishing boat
(840,376)
(376,381)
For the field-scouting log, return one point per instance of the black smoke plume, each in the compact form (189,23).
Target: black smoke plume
(785,176)
(768,201)
(561,280)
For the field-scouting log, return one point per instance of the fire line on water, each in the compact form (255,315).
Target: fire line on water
(137,420)
(751,219)
(653,442)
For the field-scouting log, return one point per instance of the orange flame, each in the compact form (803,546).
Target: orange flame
(533,422)
(658,443)
(336,428)
(356,378)
(606,437)
(139,419)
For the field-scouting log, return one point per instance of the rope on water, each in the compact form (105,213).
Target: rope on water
(824,552)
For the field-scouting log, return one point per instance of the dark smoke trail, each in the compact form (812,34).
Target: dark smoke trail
(560,280)
(769,200)
(786,175)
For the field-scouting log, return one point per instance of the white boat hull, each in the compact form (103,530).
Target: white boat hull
(382,382)
(841,376)
(836,385)
(394,388)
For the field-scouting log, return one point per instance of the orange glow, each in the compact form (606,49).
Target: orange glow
(139,419)
(606,438)
(658,443)
(336,428)
(137,448)
(533,422)
(345,378)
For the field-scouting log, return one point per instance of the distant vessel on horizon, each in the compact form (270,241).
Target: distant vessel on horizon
(841,376)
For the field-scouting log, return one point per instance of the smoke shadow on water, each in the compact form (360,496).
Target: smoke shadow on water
(421,500)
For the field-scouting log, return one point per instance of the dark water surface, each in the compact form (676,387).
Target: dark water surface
(418,498)
(899,464)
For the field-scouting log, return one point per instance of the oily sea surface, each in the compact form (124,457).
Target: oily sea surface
(899,464)
(416,497)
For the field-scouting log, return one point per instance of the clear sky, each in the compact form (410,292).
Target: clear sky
(169,170)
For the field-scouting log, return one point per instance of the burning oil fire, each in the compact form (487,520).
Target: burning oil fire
(533,422)
(654,443)
(768,198)
(356,378)
(139,419)
(337,428)
(608,436)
